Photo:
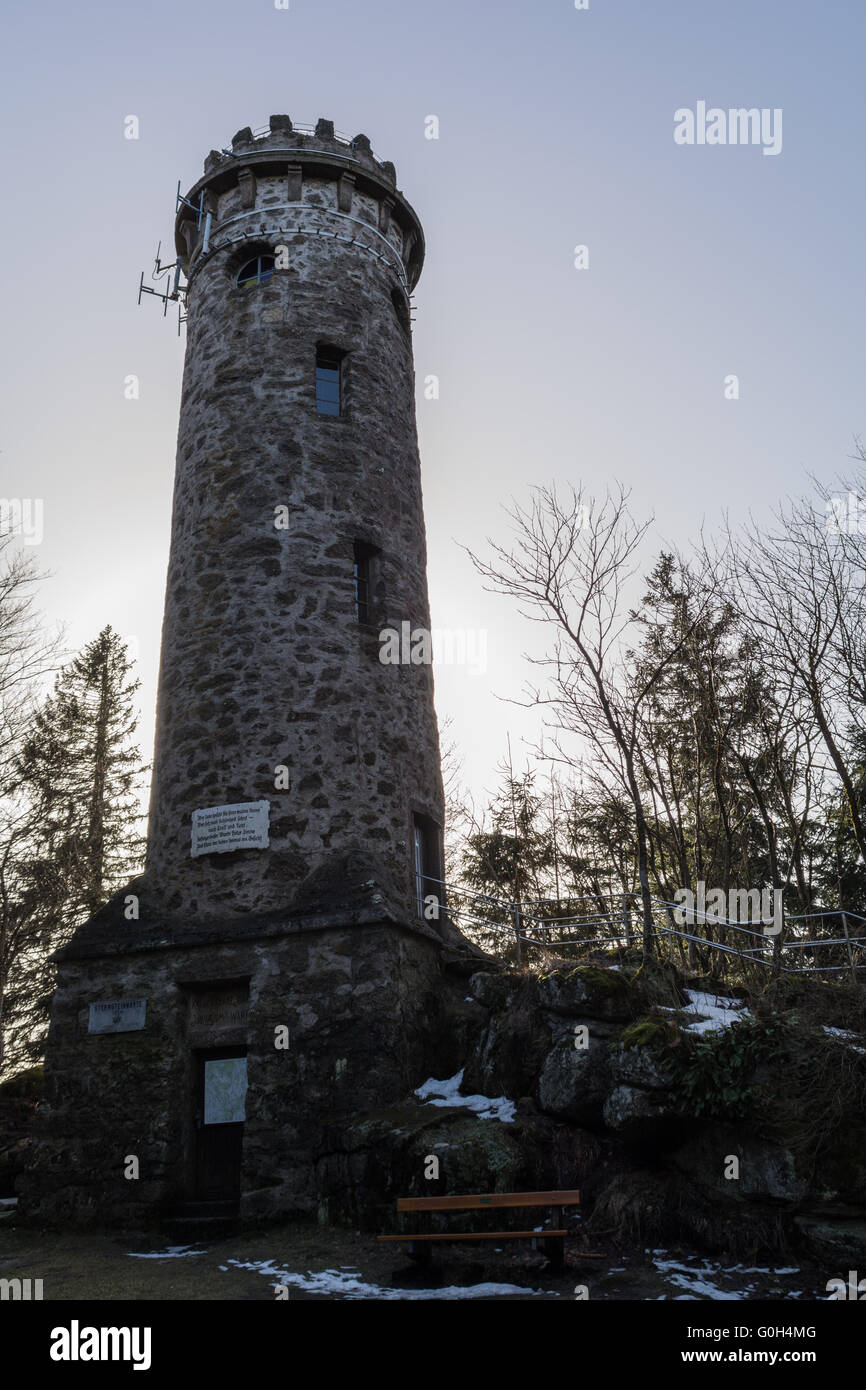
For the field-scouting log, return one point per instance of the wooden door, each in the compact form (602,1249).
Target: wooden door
(219,1120)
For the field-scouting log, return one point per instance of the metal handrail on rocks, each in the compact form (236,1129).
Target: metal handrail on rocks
(623,929)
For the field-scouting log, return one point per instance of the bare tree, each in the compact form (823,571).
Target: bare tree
(569,568)
(800,589)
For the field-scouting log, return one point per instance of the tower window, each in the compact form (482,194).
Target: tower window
(427,844)
(402,311)
(329,384)
(255,272)
(362,567)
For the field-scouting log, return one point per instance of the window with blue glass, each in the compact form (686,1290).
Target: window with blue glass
(255,272)
(329,383)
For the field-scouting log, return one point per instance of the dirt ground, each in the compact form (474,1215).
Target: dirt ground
(326,1263)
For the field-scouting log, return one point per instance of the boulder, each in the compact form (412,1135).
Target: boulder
(574,1081)
(642,1118)
(510,1049)
(495,989)
(590,991)
(835,1244)
(640,1066)
(386,1155)
(766,1171)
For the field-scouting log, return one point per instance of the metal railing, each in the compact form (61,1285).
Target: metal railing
(300,128)
(541,923)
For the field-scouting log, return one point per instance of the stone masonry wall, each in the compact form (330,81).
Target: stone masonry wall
(364,1010)
(263,661)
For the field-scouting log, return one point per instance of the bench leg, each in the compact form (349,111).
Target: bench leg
(554,1249)
(421,1252)
(554,1246)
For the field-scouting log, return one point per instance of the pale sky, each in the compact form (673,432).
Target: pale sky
(555,129)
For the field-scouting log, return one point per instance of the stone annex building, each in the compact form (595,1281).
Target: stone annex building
(273,969)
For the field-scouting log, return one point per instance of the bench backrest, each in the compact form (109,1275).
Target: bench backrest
(490,1199)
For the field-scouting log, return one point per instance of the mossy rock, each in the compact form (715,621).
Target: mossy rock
(588,991)
(652,1032)
(596,977)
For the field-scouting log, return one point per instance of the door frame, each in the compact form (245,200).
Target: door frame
(202,1055)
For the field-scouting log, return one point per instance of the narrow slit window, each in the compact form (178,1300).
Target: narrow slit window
(329,384)
(363,555)
(427,847)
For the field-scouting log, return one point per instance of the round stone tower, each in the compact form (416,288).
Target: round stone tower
(281,969)
(297,538)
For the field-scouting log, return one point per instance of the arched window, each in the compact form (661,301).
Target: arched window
(255,272)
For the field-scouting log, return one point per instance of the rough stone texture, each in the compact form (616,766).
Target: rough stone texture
(366,1013)
(512,1041)
(643,1118)
(839,1245)
(766,1170)
(263,661)
(640,1066)
(266,667)
(586,990)
(574,1081)
(495,989)
(384,1156)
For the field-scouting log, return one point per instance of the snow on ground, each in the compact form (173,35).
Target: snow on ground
(174,1252)
(712,1012)
(343,1283)
(448,1093)
(703,1278)
(846,1036)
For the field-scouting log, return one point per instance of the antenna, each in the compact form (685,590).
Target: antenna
(159,271)
(164,268)
(199,211)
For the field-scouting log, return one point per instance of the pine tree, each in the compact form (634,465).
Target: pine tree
(78,838)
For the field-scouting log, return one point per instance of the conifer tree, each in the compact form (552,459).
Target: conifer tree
(78,837)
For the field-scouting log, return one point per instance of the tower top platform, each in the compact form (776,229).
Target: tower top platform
(311,152)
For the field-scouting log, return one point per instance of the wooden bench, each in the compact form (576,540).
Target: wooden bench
(552,1241)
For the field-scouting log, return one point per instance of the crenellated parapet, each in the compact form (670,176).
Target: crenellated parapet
(287,181)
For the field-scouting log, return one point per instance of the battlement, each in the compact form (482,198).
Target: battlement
(284,153)
(282,132)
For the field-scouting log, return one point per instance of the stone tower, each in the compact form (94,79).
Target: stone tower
(297,534)
(280,969)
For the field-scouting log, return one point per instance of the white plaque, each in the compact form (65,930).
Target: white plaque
(220,829)
(225,1090)
(117,1016)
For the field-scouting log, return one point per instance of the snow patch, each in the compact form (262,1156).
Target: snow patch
(702,1279)
(712,1012)
(448,1093)
(843,1033)
(174,1252)
(340,1284)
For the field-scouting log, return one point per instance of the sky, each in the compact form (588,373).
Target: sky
(555,130)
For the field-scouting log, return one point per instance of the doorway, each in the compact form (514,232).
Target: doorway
(220,1111)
